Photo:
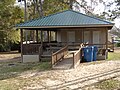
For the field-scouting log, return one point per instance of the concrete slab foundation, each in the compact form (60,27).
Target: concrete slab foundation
(30,58)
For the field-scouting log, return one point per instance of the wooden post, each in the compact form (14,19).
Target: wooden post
(26,38)
(48,36)
(41,37)
(55,35)
(106,43)
(106,39)
(52,61)
(37,36)
(41,46)
(73,61)
(21,36)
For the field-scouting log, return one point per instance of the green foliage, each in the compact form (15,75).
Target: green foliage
(2,48)
(13,36)
(113,56)
(53,6)
(9,16)
(118,44)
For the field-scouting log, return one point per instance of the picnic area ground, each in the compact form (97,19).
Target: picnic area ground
(98,75)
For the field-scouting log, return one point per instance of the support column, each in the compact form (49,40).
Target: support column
(41,37)
(37,36)
(21,36)
(106,39)
(50,36)
(26,36)
(106,43)
(48,39)
(55,35)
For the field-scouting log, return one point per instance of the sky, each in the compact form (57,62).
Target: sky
(117,23)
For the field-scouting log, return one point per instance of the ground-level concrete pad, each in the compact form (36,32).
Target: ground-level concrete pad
(30,58)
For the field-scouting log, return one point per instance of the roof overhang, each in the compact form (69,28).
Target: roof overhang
(78,26)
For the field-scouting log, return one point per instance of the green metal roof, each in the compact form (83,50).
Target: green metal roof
(65,18)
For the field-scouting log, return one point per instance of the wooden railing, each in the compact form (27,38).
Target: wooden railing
(76,58)
(30,49)
(72,45)
(59,55)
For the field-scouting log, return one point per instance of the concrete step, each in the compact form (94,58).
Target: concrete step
(46,56)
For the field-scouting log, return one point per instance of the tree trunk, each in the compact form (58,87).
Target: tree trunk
(71,4)
(41,9)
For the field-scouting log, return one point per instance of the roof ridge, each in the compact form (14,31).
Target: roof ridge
(92,17)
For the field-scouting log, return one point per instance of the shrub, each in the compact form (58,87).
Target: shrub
(118,44)
(15,46)
(2,48)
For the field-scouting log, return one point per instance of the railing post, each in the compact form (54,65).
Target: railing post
(52,61)
(39,54)
(55,59)
(73,61)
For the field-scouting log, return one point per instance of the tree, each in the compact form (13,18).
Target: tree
(39,8)
(9,16)
(118,2)
(112,13)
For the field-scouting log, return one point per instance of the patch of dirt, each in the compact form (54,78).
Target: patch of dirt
(9,56)
(85,74)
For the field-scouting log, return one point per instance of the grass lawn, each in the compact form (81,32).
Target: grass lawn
(110,84)
(113,56)
(10,72)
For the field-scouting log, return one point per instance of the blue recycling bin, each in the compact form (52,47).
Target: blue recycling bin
(88,53)
(95,53)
